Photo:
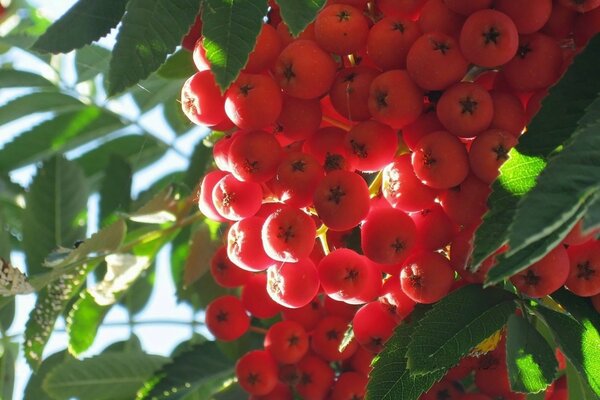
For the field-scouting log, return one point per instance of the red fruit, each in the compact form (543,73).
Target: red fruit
(466,203)
(529,16)
(340,309)
(254,156)
(287,342)
(341,29)
(437,17)
(577,237)
(400,8)
(460,257)
(256,299)
(402,189)
(426,277)
(315,378)
(361,361)
(286,37)
(299,118)
(538,63)
(293,285)
(205,201)
(201,99)
(349,386)
(297,177)
(488,152)
(253,101)
(510,115)
(582,6)
(327,338)
(434,228)
(584,275)
(343,274)
(373,144)
(489,38)
(394,99)
(373,325)
(466,109)
(288,235)
(435,61)
(308,316)
(442,390)
(395,299)
(236,200)
(189,40)
(467,7)
(350,92)
(328,146)
(491,375)
(545,276)
(244,245)
(226,318)
(596,302)
(388,235)
(440,160)
(267,48)
(342,200)
(560,23)
(226,273)
(281,392)
(303,70)
(257,372)
(391,33)
(428,122)
(586,26)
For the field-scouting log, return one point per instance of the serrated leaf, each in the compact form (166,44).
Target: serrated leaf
(455,325)
(132,344)
(137,297)
(139,150)
(85,22)
(83,322)
(297,14)
(202,369)
(578,387)
(179,65)
(390,378)
(557,120)
(158,210)
(64,132)
(579,307)
(175,117)
(8,362)
(531,363)
(591,219)
(154,90)
(231,392)
(149,32)
(200,161)
(230,29)
(32,103)
(202,248)
(107,376)
(55,212)
(115,188)
(12,78)
(564,183)
(579,340)
(91,61)
(33,390)
(509,265)
(49,305)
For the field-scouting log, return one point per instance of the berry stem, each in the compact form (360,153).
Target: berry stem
(336,123)
(322,235)
(375,186)
(257,329)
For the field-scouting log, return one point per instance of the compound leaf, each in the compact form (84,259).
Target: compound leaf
(297,14)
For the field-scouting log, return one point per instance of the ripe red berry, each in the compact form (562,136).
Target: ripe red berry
(466,109)
(327,338)
(253,101)
(226,273)
(201,99)
(394,99)
(343,274)
(488,152)
(257,372)
(315,378)
(226,318)
(373,144)
(545,276)
(341,29)
(244,245)
(205,200)
(349,386)
(402,189)
(373,325)
(293,285)
(288,234)
(287,341)
(254,156)
(388,235)
(296,179)
(391,33)
(426,277)
(584,275)
(350,92)
(256,299)
(236,200)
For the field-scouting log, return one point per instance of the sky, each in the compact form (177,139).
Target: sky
(157,338)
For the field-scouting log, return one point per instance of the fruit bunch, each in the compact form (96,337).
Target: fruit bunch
(354,168)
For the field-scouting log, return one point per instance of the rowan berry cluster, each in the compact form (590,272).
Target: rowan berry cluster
(355,169)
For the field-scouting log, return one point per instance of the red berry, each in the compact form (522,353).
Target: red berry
(288,234)
(226,318)
(545,276)
(426,277)
(293,285)
(287,341)
(257,372)
(388,235)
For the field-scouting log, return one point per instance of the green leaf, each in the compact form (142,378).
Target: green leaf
(178,66)
(12,78)
(137,297)
(231,392)
(158,210)
(85,22)
(200,161)
(91,61)
(33,390)
(579,307)
(579,341)
(7,315)
(297,14)
(174,115)
(8,362)
(115,189)
(557,189)
(83,322)
(531,363)
(55,212)
(201,251)
(201,370)
(591,219)
(154,90)
(49,305)
(390,378)
(132,344)
(557,120)
(66,131)
(32,103)
(149,32)
(230,29)
(108,376)
(578,387)
(139,150)
(455,325)
(509,265)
